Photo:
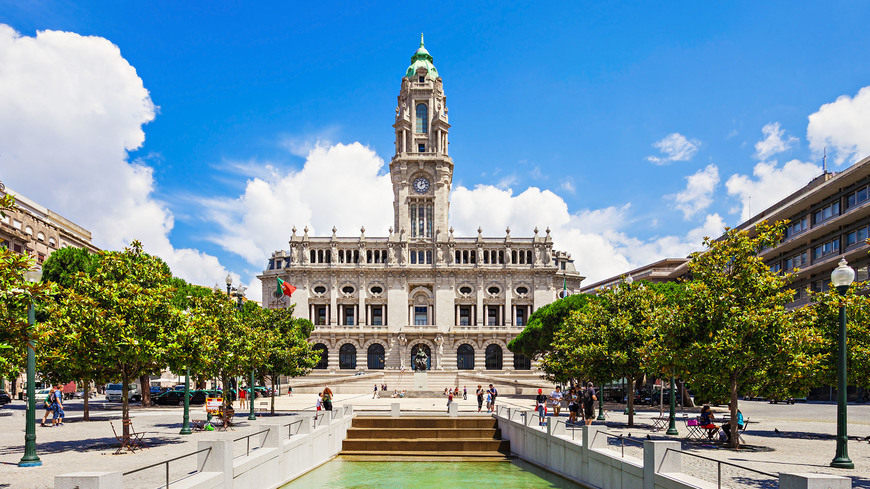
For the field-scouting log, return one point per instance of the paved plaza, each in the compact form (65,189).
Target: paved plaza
(780,438)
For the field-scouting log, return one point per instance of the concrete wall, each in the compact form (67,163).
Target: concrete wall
(586,459)
(282,454)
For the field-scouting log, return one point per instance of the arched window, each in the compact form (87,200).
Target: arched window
(493,357)
(425,349)
(522,362)
(324,361)
(465,357)
(376,357)
(347,356)
(422,119)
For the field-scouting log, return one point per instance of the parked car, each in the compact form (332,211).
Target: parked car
(81,394)
(5,398)
(114,393)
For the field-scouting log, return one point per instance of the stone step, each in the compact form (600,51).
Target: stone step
(413,433)
(426,445)
(387,423)
(378,456)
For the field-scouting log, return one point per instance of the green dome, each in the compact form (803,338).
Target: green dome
(422,59)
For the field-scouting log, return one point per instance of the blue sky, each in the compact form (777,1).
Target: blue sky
(638,127)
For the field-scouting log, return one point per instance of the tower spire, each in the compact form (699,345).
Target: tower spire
(421,39)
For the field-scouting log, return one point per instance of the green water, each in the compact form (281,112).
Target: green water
(407,475)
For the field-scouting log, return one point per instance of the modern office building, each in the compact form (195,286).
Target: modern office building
(376,301)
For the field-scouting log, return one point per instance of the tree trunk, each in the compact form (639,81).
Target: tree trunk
(273,394)
(145,382)
(225,394)
(735,438)
(687,401)
(631,401)
(125,403)
(86,393)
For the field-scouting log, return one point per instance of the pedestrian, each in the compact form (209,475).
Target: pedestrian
(376,392)
(556,401)
(464,392)
(479,394)
(494,393)
(47,403)
(327,399)
(318,405)
(541,406)
(449,401)
(488,401)
(243,396)
(289,391)
(589,399)
(57,407)
(573,406)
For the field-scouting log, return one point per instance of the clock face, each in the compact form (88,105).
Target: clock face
(421,185)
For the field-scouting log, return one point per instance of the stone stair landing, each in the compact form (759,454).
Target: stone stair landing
(475,438)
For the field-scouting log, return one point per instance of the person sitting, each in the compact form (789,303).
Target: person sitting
(727,426)
(706,421)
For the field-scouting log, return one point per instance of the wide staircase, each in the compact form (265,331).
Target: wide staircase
(476,438)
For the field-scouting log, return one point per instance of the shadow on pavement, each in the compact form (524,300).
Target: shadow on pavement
(104,443)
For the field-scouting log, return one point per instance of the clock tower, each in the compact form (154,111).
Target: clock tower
(421,170)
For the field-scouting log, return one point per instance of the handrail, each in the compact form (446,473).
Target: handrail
(718,466)
(248,437)
(289,426)
(622,439)
(166,462)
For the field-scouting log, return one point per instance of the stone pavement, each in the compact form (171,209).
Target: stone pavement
(804,441)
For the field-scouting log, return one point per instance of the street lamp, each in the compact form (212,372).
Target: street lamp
(628,281)
(842,277)
(240,295)
(672,419)
(30,459)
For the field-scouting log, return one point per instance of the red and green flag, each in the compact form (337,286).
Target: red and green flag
(285,288)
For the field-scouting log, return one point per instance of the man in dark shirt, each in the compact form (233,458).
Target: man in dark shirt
(540,406)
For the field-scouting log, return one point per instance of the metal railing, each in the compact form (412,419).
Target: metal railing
(622,439)
(289,426)
(719,464)
(166,463)
(248,439)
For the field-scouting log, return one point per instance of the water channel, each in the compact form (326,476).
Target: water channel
(453,475)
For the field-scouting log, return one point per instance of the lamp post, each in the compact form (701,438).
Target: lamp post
(842,277)
(30,459)
(240,295)
(672,419)
(628,281)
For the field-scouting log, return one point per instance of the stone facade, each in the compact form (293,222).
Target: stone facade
(376,300)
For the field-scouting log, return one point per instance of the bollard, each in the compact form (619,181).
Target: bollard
(814,481)
(453,410)
(219,459)
(395,409)
(657,458)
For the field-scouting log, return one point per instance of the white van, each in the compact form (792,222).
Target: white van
(114,393)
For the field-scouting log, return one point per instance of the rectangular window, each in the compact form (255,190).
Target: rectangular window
(776,267)
(857,197)
(492,315)
(796,227)
(857,236)
(413,257)
(465,315)
(377,316)
(521,316)
(420,315)
(826,249)
(349,316)
(421,148)
(321,315)
(826,213)
(428,257)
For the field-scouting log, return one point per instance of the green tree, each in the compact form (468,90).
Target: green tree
(733,329)
(287,349)
(63,266)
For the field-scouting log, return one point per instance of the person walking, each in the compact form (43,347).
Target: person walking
(479,394)
(589,399)
(449,400)
(327,399)
(243,396)
(57,407)
(494,394)
(556,401)
(573,405)
(376,392)
(541,406)
(318,405)
(48,403)
(464,392)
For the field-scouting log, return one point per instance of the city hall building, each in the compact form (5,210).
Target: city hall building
(376,301)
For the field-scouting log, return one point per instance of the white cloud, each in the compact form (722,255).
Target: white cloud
(674,147)
(698,194)
(841,126)
(340,185)
(71,107)
(771,184)
(773,142)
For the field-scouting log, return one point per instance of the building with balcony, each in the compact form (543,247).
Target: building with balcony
(376,301)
